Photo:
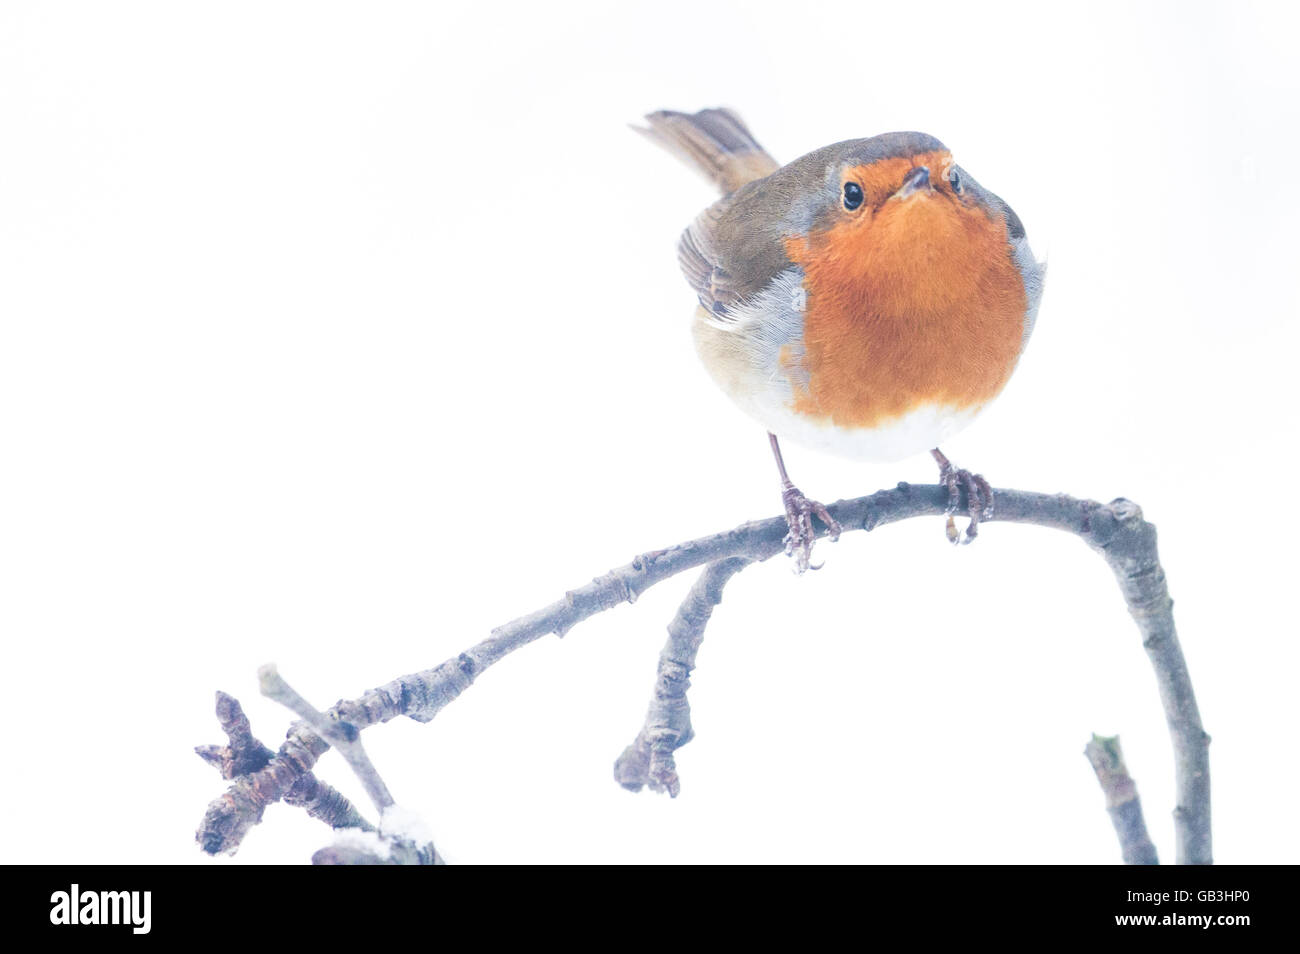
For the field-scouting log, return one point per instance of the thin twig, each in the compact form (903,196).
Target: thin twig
(340,734)
(246,754)
(325,803)
(649,759)
(1116,530)
(1128,543)
(1122,802)
(392,844)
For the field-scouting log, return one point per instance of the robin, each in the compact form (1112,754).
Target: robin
(868,299)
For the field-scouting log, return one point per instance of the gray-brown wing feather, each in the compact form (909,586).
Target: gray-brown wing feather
(727,253)
(735,248)
(701,258)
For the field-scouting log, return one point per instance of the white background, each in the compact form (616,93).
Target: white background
(336,334)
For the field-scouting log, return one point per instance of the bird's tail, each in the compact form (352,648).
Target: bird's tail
(715,142)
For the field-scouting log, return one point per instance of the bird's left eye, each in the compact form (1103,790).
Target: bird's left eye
(954,179)
(852,195)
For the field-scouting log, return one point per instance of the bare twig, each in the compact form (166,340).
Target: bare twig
(1122,802)
(245,754)
(391,844)
(649,759)
(1128,543)
(1116,531)
(340,734)
(325,803)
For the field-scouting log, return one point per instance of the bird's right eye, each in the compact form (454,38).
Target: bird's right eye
(852,195)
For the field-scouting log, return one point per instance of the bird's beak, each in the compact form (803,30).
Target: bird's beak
(918,180)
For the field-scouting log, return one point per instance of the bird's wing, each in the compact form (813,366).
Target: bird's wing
(729,252)
(701,258)
(733,250)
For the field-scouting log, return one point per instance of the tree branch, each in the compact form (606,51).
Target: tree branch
(245,755)
(649,759)
(341,735)
(325,803)
(1129,545)
(400,839)
(1122,802)
(1116,531)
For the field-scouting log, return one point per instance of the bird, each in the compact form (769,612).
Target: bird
(868,299)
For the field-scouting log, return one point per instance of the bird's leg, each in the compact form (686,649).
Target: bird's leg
(979,497)
(799,511)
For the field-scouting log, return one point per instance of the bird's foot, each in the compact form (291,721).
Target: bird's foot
(979,498)
(799,511)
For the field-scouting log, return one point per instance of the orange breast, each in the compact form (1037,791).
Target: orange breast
(919,303)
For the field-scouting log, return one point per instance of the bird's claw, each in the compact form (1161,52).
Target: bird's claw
(799,511)
(979,500)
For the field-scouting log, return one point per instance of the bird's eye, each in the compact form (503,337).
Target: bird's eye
(954,179)
(852,195)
